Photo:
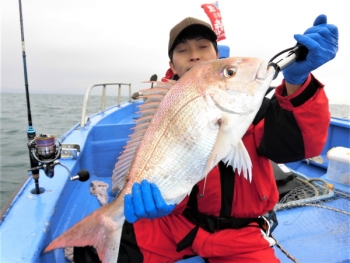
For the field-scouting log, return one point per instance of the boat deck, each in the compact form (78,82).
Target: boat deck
(315,234)
(310,234)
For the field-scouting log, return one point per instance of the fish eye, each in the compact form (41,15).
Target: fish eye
(230,72)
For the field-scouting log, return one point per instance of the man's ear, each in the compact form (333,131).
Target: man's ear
(171,65)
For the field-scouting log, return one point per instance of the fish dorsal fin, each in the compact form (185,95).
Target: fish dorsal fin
(153,97)
(150,105)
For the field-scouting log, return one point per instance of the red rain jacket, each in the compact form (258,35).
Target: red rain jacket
(286,129)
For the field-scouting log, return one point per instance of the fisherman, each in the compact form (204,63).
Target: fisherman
(229,219)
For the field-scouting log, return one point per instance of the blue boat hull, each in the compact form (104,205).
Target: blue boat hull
(32,221)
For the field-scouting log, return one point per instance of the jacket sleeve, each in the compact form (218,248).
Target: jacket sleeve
(296,126)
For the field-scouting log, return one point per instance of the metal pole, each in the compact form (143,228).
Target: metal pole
(103,103)
(119,93)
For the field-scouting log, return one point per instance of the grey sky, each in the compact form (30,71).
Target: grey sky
(72,44)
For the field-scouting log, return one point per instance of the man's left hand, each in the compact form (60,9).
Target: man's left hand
(321,40)
(146,201)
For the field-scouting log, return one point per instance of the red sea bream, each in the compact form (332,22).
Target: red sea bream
(185,129)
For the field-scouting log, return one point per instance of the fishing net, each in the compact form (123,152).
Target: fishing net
(314,223)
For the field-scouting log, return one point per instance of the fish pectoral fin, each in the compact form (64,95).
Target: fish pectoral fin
(239,159)
(222,146)
(230,152)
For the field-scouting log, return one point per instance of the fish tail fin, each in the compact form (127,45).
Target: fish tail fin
(97,230)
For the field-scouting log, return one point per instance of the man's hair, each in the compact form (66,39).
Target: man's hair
(193,32)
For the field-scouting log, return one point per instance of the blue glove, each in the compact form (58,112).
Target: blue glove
(322,42)
(146,201)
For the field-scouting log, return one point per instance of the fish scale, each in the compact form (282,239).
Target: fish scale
(195,146)
(199,121)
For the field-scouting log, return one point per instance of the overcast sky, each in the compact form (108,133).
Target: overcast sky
(72,44)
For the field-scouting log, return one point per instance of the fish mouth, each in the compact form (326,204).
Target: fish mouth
(264,71)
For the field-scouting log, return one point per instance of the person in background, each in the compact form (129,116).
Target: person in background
(231,222)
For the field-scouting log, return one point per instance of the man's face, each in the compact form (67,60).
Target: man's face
(190,53)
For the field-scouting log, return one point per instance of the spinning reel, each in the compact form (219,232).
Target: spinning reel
(45,150)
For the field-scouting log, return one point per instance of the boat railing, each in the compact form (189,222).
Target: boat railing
(84,118)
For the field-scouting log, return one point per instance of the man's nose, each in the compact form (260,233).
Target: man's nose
(194,56)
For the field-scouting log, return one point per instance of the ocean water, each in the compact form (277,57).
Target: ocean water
(51,114)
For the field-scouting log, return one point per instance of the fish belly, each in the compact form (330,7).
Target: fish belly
(180,148)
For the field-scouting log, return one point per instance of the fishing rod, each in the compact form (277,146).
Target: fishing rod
(297,53)
(45,149)
(31,133)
